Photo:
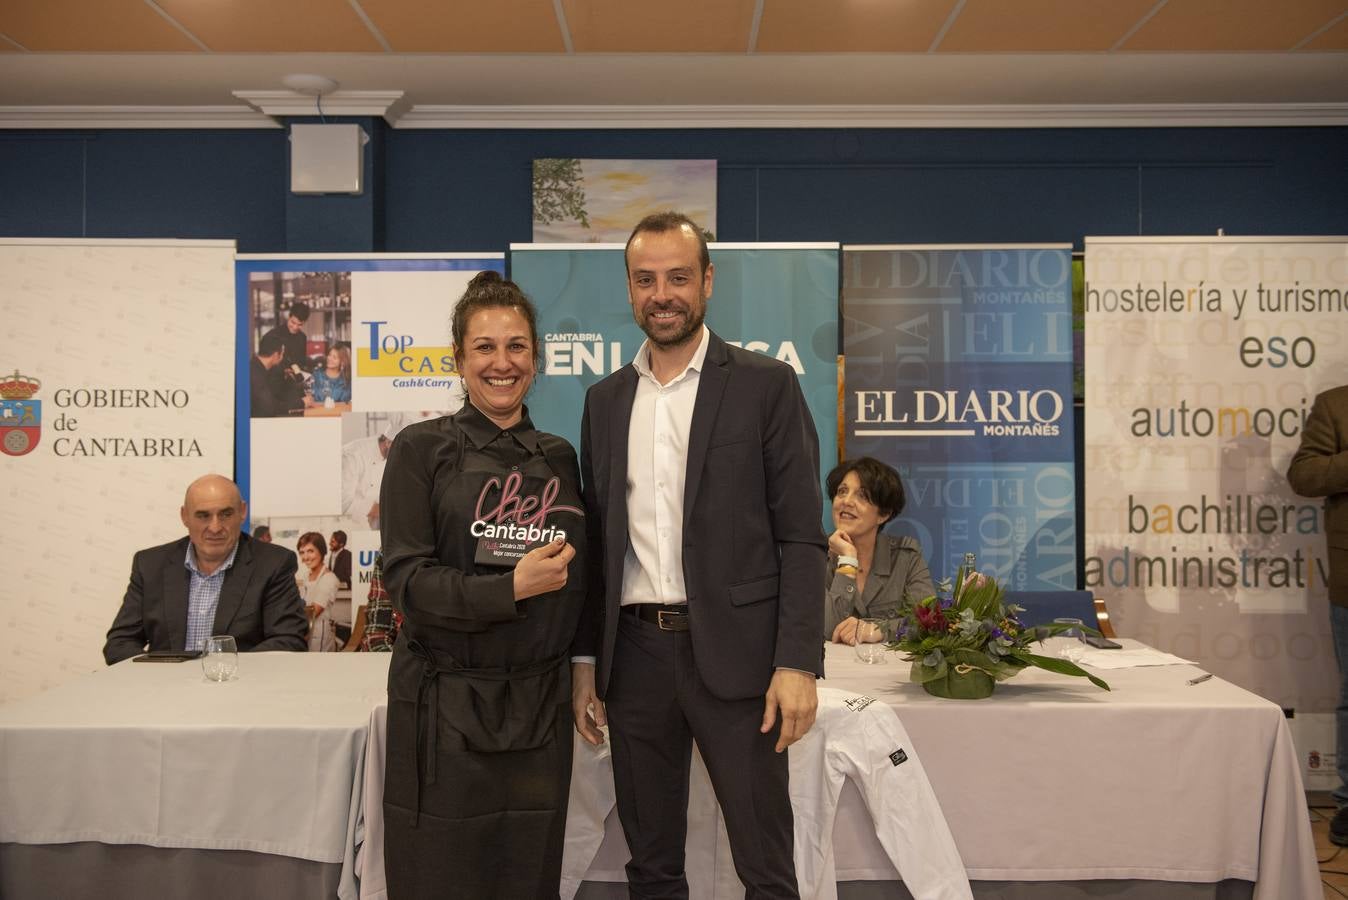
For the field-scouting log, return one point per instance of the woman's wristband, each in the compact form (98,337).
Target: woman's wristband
(849,561)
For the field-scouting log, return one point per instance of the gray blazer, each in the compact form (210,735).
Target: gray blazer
(897,571)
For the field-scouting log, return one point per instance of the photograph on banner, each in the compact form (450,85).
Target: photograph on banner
(306,317)
(366,439)
(958,373)
(1204,356)
(333,571)
(777,299)
(116,373)
(339,351)
(597,201)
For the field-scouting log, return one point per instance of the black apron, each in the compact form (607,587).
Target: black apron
(479,732)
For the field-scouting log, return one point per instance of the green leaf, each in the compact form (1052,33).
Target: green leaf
(920,674)
(1059,666)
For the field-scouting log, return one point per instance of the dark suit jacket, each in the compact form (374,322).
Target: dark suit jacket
(259,603)
(753,545)
(1320,469)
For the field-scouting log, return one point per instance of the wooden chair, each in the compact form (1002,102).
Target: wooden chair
(1102,616)
(357,632)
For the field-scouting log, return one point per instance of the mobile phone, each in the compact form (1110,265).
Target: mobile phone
(1101,642)
(167,656)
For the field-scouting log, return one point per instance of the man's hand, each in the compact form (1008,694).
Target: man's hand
(793,694)
(543,569)
(586,705)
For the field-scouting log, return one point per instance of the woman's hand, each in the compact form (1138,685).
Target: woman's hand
(543,569)
(839,544)
(852,630)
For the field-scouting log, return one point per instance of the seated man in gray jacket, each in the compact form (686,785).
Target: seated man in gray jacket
(214,581)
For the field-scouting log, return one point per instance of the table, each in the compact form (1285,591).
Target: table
(1051,780)
(321,411)
(153,755)
(1155,780)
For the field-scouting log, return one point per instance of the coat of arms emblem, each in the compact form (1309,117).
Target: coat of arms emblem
(20,414)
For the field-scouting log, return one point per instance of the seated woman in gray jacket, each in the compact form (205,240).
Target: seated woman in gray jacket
(872,572)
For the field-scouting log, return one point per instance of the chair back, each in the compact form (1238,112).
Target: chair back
(1042,607)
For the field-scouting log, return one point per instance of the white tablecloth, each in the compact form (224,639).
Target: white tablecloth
(1053,779)
(1049,780)
(152,753)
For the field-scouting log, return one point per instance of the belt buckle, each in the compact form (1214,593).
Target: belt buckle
(673,619)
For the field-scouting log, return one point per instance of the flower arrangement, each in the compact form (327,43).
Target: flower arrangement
(961,642)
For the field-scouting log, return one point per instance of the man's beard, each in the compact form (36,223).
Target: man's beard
(692,324)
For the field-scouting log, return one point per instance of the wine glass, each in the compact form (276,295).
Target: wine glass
(220,657)
(871,637)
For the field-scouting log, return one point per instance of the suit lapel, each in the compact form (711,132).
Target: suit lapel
(882,567)
(177,583)
(231,592)
(619,422)
(711,384)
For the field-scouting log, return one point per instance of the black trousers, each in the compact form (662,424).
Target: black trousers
(657,706)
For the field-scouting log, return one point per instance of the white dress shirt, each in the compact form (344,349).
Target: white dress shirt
(657,464)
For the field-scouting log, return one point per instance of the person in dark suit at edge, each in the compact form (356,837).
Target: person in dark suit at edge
(214,581)
(700,464)
(1319,468)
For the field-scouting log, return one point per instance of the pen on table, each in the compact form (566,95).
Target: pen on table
(1199,679)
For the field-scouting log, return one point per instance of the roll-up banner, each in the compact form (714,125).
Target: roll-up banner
(115,382)
(366,351)
(776,299)
(959,374)
(1203,357)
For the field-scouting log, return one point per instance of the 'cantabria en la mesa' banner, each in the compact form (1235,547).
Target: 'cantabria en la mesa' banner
(367,351)
(115,382)
(959,374)
(1203,356)
(776,299)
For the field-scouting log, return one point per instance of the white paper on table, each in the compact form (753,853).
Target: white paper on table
(1131,658)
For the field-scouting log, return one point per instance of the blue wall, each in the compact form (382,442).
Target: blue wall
(470,190)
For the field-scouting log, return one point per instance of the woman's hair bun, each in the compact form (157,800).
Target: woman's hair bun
(484,278)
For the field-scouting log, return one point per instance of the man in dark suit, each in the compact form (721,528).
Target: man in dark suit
(268,394)
(700,465)
(341,558)
(214,581)
(1319,468)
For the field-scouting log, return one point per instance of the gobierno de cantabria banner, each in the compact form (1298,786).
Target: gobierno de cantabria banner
(1203,357)
(116,385)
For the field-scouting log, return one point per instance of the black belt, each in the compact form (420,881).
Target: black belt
(668,616)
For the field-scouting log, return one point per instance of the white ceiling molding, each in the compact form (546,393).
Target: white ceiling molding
(389,104)
(237,117)
(1143,115)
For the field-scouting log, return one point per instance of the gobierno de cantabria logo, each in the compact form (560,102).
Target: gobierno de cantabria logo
(20,414)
